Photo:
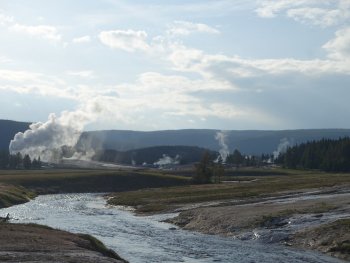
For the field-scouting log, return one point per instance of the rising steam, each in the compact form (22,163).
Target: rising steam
(48,140)
(224,151)
(167,160)
(281,148)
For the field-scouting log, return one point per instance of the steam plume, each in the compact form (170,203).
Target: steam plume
(167,160)
(281,148)
(224,151)
(47,139)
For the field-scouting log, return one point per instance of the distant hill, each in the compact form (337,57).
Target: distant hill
(248,142)
(8,129)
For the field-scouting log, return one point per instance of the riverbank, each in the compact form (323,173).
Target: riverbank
(13,195)
(271,209)
(330,238)
(313,220)
(35,243)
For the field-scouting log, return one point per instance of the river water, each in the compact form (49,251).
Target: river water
(145,239)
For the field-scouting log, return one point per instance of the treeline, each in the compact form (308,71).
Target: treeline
(150,155)
(210,170)
(326,155)
(18,161)
(238,159)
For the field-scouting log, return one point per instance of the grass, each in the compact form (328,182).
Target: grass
(39,226)
(163,199)
(13,195)
(78,181)
(97,245)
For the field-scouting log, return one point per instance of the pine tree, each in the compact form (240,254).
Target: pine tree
(27,163)
(203,170)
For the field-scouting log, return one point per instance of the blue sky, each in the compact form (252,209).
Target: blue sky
(150,65)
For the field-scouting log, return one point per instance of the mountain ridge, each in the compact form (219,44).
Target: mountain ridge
(247,141)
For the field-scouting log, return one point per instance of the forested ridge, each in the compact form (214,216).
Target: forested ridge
(326,155)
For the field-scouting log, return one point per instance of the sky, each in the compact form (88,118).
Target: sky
(155,65)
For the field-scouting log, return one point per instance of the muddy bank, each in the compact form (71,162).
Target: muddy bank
(332,238)
(34,243)
(296,220)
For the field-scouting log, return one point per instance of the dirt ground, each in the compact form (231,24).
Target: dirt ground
(332,238)
(229,219)
(33,243)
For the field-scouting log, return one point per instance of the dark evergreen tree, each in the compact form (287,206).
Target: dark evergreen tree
(236,158)
(36,164)
(27,162)
(4,159)
(204,170)
(326,154)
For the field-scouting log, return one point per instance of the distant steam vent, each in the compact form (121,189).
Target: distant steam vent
(282,147)
(224,150)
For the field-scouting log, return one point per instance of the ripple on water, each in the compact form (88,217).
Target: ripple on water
(145,239)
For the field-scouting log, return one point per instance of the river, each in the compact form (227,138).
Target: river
(146,239)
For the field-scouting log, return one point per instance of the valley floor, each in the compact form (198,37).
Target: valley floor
(297,208)
(310,210)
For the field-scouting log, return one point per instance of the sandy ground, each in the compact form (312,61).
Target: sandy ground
(32,243)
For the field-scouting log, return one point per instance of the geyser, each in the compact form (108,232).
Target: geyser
(48,140)
(281,148)
(224,151)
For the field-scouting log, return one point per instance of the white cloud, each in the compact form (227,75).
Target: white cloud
(339,47)
(27,82)
(227,67)
(315,12)
(185,28)
(83,39)
(5,20)
(89,74)
(127,40)
(42,31)
(162,95)
(316,16)
(4,59)
(270,8)
(157,83)
(169,97)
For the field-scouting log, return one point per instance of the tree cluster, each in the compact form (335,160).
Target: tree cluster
(211,169)
(206,171)
(240,160)
(326,155)
(18,161)
(150,155)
